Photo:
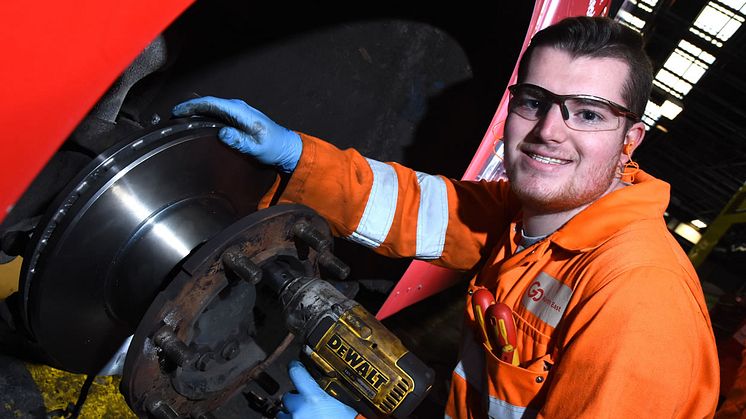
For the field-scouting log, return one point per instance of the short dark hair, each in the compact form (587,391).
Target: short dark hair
(599,37)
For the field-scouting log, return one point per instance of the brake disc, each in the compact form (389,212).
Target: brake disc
(117,234)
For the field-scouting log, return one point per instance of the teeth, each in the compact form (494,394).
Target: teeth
(546,160)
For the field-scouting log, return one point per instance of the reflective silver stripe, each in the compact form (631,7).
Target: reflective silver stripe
(500,409)
(379,211)
(432,217)
(471,365)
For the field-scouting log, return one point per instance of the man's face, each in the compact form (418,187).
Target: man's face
(551,167)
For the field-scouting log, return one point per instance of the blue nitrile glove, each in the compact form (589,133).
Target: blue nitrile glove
(311,402)
(249,131)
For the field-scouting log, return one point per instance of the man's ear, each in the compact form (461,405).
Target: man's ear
(634,136)
(632,139)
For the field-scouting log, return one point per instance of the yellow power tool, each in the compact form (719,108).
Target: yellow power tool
(349,352)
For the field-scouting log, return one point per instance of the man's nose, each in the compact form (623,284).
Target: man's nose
(552,126)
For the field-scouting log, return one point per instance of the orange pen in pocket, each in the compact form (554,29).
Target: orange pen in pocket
(481,300)
(501,326)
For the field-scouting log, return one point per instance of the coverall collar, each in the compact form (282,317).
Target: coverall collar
(647,198)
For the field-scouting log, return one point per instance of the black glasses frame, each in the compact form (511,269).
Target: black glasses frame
(560,101)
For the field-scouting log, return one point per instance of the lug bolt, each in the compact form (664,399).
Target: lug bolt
(322,245)
(334,265)
(242,266)
(312,237)
(176,350)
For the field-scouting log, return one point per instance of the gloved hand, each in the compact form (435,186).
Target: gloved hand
(249,131)
(311,402)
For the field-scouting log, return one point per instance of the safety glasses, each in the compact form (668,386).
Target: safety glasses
(580,112)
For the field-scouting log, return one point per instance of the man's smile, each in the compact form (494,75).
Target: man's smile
(547,160)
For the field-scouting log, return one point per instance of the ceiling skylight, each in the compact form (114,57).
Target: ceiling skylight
(716,23)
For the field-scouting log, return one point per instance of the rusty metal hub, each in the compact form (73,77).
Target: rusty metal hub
(198,344)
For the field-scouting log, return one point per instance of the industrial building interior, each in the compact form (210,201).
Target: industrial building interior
(420,87)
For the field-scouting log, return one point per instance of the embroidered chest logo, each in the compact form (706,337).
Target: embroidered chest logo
(535,291)
(547,298)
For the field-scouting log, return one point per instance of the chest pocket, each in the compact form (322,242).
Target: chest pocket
(516,391)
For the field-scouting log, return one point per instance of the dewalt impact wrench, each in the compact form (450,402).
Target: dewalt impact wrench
(348,351)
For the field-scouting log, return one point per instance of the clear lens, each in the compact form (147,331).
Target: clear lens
(590,115)
(529,103)
(579,113)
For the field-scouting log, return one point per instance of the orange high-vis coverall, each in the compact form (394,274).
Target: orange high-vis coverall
(610,316)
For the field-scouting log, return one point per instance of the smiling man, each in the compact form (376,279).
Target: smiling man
(608,314)
(562,158)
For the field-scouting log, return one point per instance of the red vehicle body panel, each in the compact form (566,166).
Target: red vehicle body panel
(58,60)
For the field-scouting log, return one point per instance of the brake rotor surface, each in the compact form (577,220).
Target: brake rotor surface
(196,347)
(113,238)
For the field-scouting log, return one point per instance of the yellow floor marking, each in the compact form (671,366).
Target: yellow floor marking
(58,388)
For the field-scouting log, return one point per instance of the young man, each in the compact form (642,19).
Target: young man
(609,314)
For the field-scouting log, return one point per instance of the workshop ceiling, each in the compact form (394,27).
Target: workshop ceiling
(702,151)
